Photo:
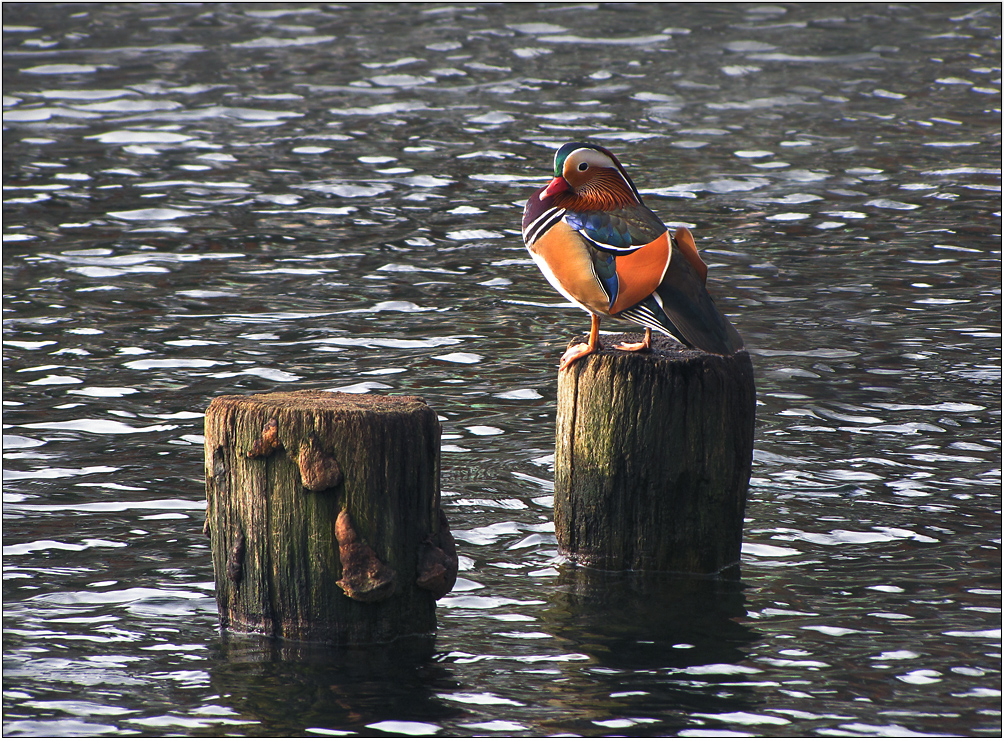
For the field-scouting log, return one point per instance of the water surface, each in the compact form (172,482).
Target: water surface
(215,199)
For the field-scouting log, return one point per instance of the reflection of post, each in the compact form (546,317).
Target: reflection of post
(652,458)
(637,620)
(649,635)
(323,511)
(290,686)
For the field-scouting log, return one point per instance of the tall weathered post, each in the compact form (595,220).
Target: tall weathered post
(653,456)
(324,515)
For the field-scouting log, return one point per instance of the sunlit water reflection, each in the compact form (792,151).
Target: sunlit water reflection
(201,200)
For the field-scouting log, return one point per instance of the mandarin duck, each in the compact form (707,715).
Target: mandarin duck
(605,251)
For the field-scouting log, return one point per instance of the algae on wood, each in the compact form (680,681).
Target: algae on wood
(320,507)
(653,456)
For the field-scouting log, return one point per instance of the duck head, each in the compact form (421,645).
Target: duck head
(588,177)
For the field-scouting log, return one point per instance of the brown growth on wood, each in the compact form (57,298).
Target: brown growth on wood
(364,576)
(268,442)
(318,470)
(438,562)
(235,563)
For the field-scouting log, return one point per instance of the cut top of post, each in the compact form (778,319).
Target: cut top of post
(330,401)
(664,349)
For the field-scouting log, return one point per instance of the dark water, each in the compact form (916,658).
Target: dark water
(214,199)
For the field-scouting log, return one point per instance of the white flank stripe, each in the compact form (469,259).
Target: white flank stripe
(602,246)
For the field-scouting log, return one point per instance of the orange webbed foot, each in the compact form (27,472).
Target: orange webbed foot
(575,352)
(583,348)
(632,346)
(644,345)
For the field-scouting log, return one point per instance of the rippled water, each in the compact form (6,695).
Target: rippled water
(214,199)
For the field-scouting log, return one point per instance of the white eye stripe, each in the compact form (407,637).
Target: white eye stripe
(595,158)
(589,157)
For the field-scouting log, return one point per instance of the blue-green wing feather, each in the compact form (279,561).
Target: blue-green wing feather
(619,232)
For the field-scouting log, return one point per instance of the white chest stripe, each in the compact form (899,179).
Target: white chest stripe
(541,224)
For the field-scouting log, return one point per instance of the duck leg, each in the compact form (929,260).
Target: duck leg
(645,344)
(583,349)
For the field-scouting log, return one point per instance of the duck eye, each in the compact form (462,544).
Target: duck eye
(583,166)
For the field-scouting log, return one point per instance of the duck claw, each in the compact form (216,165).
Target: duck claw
(574,353)
(632,346)
(583,349)
(644,345)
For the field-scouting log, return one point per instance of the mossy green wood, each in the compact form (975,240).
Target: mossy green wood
(274,545)
(653,455)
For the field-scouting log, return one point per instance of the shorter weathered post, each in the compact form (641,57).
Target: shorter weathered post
(653,456)
(324,515)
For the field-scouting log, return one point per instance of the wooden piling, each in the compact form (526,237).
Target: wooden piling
(324,515)
(653,456)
